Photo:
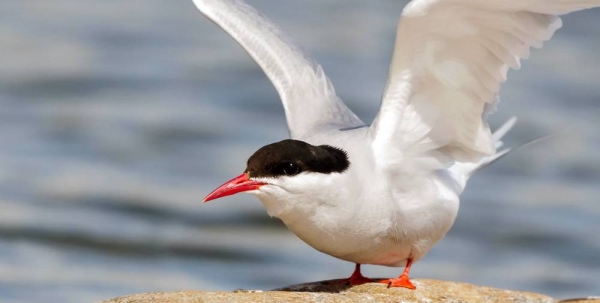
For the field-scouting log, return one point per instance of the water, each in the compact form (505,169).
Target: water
(117,118)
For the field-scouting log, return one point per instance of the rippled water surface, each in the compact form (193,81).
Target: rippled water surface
(118,117)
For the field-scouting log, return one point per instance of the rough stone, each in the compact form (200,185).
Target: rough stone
(582,300)
(430,291)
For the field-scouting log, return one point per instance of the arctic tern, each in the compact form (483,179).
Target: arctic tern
(385,193)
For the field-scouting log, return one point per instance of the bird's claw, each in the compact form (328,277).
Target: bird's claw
(401,281)
(354,280)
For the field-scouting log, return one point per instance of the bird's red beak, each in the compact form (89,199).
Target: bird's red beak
(236,185)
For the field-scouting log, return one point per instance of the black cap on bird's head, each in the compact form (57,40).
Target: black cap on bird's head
(291,157)
(284,158)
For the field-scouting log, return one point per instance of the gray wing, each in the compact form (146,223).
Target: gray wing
(450,58)
(308,97)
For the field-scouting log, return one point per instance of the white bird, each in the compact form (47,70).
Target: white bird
(385,193)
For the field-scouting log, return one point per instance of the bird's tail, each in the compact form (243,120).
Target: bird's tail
(466,170)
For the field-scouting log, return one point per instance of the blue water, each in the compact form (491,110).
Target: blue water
(118,117)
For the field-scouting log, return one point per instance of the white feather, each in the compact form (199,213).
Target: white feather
(450,58)
(308,97)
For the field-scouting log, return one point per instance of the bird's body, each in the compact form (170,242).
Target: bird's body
(385,193)
(375,218)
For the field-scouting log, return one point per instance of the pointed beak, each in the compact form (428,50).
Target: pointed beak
(236,185)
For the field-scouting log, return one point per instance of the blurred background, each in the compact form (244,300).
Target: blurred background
(118,117)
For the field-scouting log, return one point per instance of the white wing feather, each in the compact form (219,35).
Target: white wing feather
(450,58)
(308,97)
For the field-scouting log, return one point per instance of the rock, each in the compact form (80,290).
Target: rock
(430,291)
(582,300)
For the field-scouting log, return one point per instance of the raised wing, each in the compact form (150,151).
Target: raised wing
(308,97)
(450,58)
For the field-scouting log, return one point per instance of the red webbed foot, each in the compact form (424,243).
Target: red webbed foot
(403,280)
(355,279)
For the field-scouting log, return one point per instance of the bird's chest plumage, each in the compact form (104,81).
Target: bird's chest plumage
(376,224)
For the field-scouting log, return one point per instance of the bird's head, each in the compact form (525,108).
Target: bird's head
(287,172)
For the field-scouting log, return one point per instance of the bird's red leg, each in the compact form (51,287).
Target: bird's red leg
(403,280)
(356,278)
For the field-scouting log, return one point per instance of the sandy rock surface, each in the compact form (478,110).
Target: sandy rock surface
(430,291)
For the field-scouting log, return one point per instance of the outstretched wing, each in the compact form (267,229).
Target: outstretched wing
(450,58)
(308,97)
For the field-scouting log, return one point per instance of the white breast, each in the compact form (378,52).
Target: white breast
(363,215)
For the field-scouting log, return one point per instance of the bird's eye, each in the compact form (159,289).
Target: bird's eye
(290,168)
